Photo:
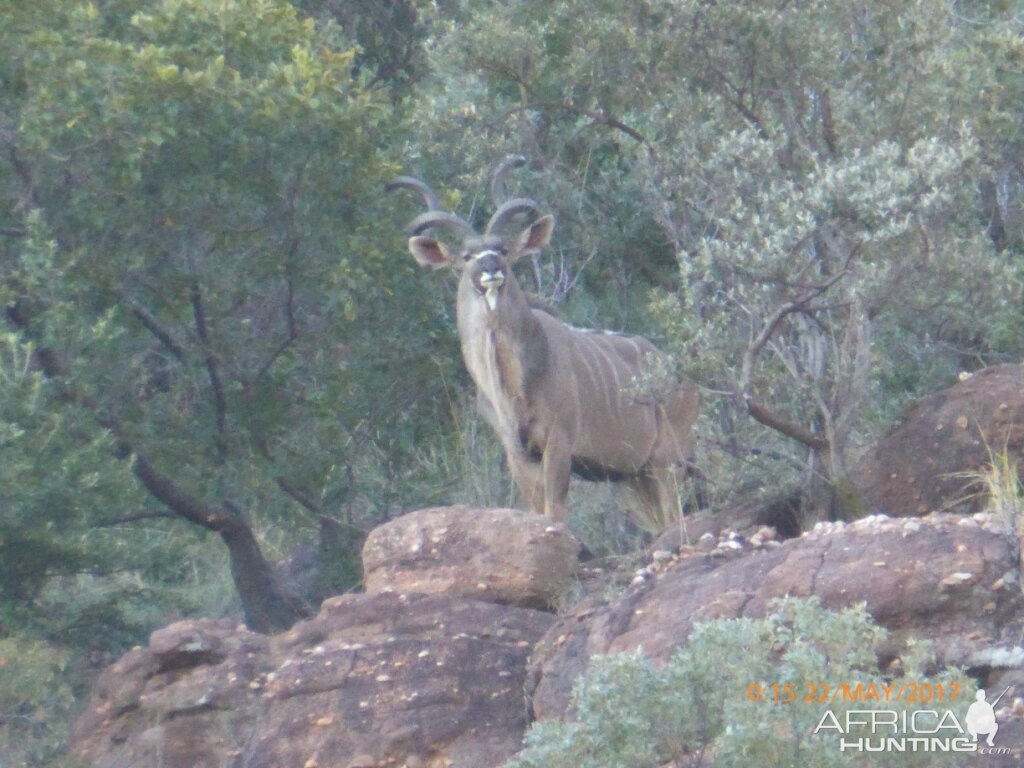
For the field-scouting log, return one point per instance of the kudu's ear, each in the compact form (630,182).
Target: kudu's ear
(429,252)
(535,236)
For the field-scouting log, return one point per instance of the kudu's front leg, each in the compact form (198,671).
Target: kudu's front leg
(556,471)
(527,475)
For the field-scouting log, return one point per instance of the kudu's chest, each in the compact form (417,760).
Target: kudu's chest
(500,361)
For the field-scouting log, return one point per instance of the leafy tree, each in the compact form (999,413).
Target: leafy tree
(815,172)
(36,698)
(390,36)
(190,255)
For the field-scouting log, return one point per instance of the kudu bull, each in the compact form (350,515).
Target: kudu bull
(561,400)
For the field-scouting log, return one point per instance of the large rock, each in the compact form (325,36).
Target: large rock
(952,580)
(919,466)
(386,679)
(179,699)
(498,555)
(402,678)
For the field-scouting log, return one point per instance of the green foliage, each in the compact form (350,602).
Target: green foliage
(35,700)
(390,36)
(208,173)
(808,173)
(191,265)
(197,183)
(74,584)
(195,247)
(631,714)
(56,485)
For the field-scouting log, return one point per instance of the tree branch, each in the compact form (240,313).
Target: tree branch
(758,344)
(302,498)
(153,325)
(212,367)
(597,116)
(293,334)
(267,605)
(182,503)
(801,304)
(779,424)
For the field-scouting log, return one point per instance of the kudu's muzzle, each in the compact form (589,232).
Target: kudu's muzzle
(490,277)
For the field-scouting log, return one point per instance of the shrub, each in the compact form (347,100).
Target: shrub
(737,695)
(36,700)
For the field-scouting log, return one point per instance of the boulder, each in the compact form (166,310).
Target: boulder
(384,679)
(497,555)
(920,465)
(952,580)
(179,699)
(404,677)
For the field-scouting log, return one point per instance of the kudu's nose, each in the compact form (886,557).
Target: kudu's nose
(492,279)
(491,271)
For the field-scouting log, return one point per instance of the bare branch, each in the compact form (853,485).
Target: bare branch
(293,333)
(757,345)
(304,499)
(798,433)
(599,118)
(154,326)
(212,367)
(178,500)
(802,304)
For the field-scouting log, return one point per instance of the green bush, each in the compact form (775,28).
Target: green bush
(36,700)
(736,695)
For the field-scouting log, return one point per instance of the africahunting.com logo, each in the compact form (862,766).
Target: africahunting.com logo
(930,729)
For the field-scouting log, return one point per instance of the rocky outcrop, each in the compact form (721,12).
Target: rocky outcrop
(920,465)
(177,700)
(952,580)
(421,672)
(426,670)
(385,679)
(497,555)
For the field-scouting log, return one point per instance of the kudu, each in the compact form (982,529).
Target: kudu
(561,400)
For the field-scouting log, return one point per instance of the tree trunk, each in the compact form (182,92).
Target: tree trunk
(268,606)
(830,494)
(996,229)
